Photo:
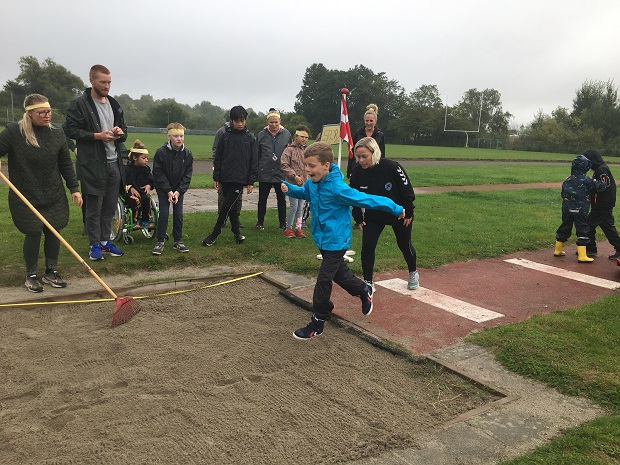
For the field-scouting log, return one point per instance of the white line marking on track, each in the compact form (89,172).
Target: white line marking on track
(436,299)
(584,278)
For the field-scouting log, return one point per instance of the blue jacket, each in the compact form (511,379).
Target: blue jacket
(331,200)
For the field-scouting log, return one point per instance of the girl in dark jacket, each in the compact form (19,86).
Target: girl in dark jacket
(380,176)
(38,162)
(139,182)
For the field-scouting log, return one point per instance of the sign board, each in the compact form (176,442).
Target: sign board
(330,134)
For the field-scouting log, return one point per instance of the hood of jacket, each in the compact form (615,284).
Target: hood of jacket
(595,158)
(580,165)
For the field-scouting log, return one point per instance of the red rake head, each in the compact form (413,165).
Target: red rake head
(126,308)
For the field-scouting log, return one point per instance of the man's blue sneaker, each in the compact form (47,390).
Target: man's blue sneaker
(95,252)
(314,328)
(111,249)
(366,297)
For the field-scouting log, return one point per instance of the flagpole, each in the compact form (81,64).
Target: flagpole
(342,97)
(345,129)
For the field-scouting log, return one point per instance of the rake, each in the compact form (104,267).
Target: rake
(126,307)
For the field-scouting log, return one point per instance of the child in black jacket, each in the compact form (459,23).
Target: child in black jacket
(603,203)
(172,168)
(139,182)
(577,191)
(235,167)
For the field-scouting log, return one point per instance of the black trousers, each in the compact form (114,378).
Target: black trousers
(164,215)
(370,236)
(582,228)
(32,245)
(333,270)
(264,188)
(605,220)
(231,193)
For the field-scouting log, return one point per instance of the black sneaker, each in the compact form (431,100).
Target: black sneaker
(239,238)
(208,241)
(366,297)
(158,249)
(33,284)
(180,247)
(314,328)
(53,279)
(259,227)
(614,256)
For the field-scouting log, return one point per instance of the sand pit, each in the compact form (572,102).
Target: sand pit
(211,376)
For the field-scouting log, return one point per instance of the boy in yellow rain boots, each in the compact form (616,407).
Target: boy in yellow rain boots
(576,193)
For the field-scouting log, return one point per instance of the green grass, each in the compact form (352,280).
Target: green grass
(425,176)
(201,146)
(595,443)
(577,352)
(446,231)
(462,153)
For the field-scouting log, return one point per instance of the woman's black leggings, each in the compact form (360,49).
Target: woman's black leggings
(370,236)
(32,245)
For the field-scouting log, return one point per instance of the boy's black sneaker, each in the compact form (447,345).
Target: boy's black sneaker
(614,256)
(208,241)
(239,238)
(366,297)
(314,328)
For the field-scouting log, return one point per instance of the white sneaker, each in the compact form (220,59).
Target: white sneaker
(414,281)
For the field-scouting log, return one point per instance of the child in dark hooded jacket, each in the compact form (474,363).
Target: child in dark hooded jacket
(577,191)
(603,203)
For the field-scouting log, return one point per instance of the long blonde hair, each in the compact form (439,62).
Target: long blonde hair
(25,124)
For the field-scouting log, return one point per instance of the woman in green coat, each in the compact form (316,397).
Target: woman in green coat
(38,162)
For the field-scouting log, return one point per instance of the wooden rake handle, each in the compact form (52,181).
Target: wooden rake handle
(56,233)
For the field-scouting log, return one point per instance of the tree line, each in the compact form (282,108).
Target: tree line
(419,117)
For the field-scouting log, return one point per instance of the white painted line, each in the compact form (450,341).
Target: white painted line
(447,303)
(584,278)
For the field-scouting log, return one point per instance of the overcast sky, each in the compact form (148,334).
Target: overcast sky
(253,53)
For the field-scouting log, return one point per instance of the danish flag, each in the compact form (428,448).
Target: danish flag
(345,128)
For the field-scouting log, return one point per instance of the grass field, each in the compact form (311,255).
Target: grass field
(201,146)
(575,351)
(428,176)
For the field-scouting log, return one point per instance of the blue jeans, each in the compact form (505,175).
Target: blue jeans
(295,210)
(177,217)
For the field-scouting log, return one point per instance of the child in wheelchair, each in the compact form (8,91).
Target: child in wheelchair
(139,182)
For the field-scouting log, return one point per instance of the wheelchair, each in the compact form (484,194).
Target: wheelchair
(122,222)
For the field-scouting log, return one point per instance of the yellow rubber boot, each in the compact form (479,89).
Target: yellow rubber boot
(582,257)
(558,249)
